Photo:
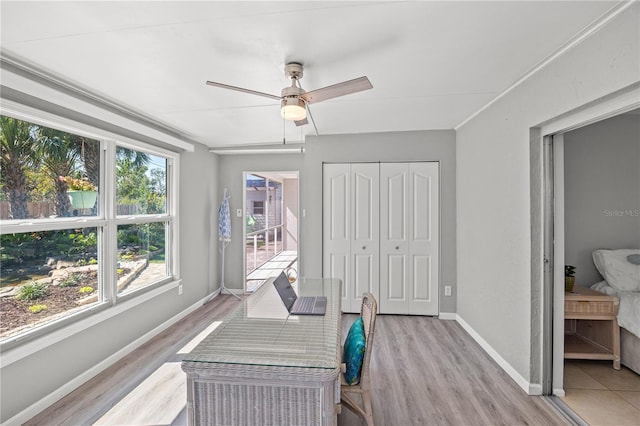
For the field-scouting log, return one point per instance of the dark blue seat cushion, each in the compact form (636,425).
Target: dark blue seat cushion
(353,354)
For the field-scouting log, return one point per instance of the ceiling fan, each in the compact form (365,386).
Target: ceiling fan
(295,101)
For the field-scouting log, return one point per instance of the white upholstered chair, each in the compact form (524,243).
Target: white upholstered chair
(347,392)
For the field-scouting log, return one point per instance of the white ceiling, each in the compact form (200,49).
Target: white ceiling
(432,64)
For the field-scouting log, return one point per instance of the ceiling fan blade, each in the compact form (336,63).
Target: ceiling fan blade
(335,90)
(301,122)
(240,89)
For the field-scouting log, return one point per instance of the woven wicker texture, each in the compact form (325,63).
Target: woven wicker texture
(265,367)
(591,307)
(348,392)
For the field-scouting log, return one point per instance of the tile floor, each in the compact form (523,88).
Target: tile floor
(601,395)
(271,268)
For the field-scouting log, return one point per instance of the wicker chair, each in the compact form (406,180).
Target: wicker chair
(347,392)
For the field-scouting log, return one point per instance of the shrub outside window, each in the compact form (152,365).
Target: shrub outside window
(46,275)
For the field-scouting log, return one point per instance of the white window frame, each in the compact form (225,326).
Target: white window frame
(106,222)
(169,217)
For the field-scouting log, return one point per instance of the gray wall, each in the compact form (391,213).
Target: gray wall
(497,297)
(602,191)
(291,214)
(438,145)
(434,145)
(229,173)
(33,377)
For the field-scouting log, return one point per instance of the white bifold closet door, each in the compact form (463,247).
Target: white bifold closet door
(409,249)
(380,234)
(351,229)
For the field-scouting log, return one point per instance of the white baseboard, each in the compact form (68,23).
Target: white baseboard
(535,389)
(37,407)
(529,388)
(449,316)
(559,392)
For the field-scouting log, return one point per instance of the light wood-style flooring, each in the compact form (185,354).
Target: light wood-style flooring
(424,371)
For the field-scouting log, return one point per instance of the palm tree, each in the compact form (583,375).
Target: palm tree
(88,151)
(17,153)
(59,158)
(136,158)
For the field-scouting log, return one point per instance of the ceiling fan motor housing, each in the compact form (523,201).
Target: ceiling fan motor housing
(293,70)
(291,92)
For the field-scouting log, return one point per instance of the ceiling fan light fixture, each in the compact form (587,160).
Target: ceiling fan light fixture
(293,109)
(294,99)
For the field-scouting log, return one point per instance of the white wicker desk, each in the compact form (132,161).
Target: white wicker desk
(262,366)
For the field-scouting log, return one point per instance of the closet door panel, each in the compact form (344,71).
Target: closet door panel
(395,202)
(423,244)
(396,268)
(338,266)
(336,226)
(394,240)
(421,273)
(365,241)
(421,195)
(363,265)
(365,202)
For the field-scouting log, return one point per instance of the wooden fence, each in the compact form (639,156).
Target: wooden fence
(36,210)
(40,210)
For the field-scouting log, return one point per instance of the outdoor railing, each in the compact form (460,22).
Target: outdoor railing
(272,238)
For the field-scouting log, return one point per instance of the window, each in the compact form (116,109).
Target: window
(57,229)
(258,207)
(142,222)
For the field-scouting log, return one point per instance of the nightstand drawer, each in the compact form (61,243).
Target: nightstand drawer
(590,307)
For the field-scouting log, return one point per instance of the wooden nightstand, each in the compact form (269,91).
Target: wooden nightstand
(591,326)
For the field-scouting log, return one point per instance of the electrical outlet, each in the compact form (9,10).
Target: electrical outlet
(180,290)
(447,290)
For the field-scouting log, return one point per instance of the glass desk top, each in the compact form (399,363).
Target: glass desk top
(262,332)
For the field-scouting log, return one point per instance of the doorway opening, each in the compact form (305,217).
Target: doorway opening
(569,239)
(271,229)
